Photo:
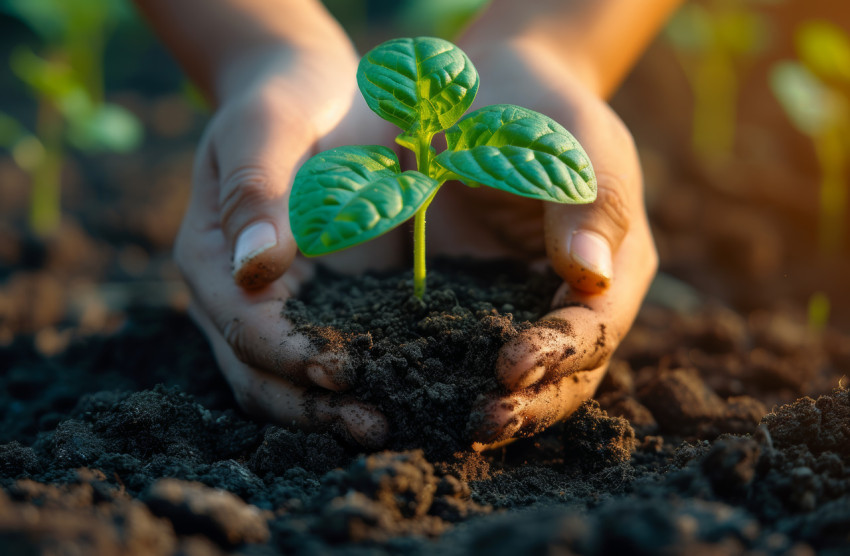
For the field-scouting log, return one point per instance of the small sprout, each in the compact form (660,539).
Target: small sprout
(349,195)
(65,77)
(818,311)
(715,44)
(813,93)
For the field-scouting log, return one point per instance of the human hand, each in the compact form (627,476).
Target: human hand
(603,251)
(236,250)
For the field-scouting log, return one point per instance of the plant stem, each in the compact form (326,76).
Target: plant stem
(419,252)
(423,164)
(423,155)
(45,196)
(829,148)
(715,87)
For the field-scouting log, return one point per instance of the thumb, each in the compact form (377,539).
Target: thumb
(581,240)
(256,158)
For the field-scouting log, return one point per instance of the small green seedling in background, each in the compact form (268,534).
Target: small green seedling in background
(815,93)
(349,195)
(65,77)
(715,42)
(818,311)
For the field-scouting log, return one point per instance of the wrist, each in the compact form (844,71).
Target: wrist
(302,43)
(299,70)
(524,53)
(600,39)
(305,91)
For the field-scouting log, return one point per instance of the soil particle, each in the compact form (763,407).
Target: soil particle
(730,465)
(194,508)
(16,459)
(680,401)
(637,414)
(38,518)
(684,404)
(393,493)
(285,449)
(822,425)
(594,441)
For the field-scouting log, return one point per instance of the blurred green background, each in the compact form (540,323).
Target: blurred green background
(740,109)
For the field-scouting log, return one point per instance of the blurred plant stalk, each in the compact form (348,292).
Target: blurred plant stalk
(814,91)
(715,41)
(46,174)
(63,72)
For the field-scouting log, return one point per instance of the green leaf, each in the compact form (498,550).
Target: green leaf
(811,106)
(108,127)
(741,33)
(345,196)
(11,131)
(51,79)
(824,48)
(690,28)
(519,151)
(425,82)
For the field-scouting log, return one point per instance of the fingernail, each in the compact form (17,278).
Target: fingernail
(531,376)
(366,426)
(253,240)
(319,376)
(591,251)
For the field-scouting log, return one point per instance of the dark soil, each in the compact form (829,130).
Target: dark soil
(424,363)
(126,443)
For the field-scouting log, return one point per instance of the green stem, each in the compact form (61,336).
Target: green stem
(419,252)
(423,164)
(833,190)
(45,196)
(715,95)
(423,155)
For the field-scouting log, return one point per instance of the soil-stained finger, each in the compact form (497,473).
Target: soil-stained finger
(521,414)
(251,322)
(553,348)
(277,400)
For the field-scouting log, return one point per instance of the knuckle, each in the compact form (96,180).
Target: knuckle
(236,336)
(612,205)
(247,185)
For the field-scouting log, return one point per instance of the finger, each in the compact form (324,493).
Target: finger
(252,321)
(529,412)
(584,329)
(275,399)
(581,240)
(256,153)
(553,347)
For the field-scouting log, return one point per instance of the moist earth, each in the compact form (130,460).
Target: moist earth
(131,442)
(423,362)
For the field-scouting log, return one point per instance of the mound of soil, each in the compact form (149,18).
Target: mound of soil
(424,363)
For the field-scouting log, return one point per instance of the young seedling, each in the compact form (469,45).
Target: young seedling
(815,93)
(716,42)
(64,76)
(349,195)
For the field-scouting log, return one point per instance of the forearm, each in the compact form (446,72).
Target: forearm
(599,39)
(219,43)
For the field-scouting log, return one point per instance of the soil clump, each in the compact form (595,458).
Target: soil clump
(424,363)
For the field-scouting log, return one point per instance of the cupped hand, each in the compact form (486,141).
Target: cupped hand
(603,251)
(237,253)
